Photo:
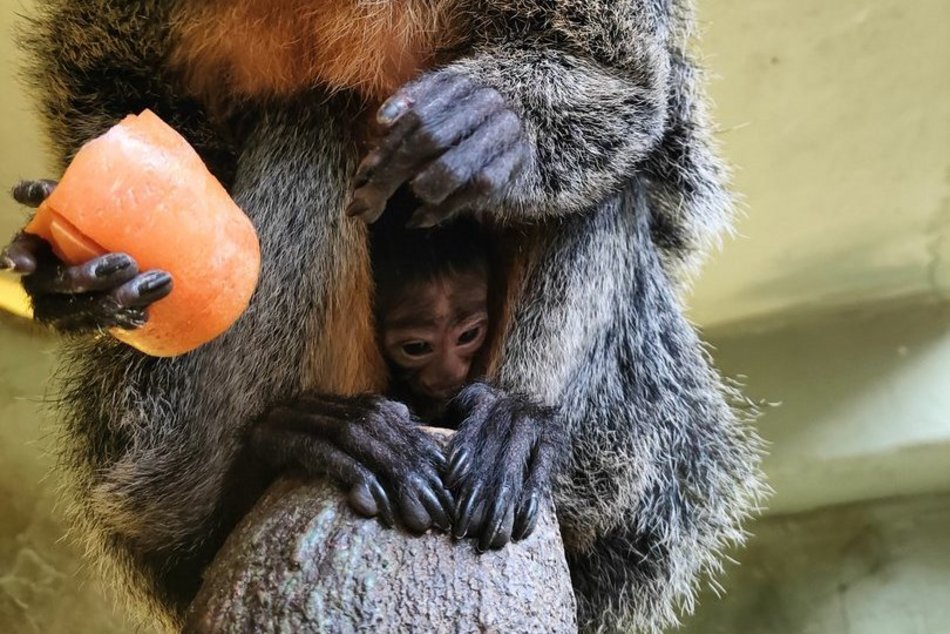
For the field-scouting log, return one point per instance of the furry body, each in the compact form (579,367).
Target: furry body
(620,192)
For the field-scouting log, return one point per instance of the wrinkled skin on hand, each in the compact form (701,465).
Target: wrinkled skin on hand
(502,459)
(455,141)
(372,446)
(105,292)
(501,462)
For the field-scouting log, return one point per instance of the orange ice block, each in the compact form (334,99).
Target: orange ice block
(141,189)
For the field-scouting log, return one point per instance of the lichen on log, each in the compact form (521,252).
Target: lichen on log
(302,561)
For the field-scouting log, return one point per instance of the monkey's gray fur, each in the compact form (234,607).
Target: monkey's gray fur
(625,191)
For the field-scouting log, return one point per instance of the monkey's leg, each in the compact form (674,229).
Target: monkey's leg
(370,445)
(501,462)
(104,292)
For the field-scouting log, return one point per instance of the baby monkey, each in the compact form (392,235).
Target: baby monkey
(431,308)
(435,289)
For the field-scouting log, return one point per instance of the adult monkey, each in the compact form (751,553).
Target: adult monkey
(591,146)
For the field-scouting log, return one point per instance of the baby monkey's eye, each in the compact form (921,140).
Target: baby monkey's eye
(416,348)
(469,335)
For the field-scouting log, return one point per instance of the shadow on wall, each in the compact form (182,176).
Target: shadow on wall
(877,568)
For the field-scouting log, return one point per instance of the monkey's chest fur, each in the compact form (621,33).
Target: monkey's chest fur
(274,48)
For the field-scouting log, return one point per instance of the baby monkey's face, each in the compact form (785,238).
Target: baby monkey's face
(433,332)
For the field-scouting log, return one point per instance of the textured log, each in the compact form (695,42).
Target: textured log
(303,562)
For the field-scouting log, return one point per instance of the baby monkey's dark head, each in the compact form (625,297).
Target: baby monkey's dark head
(432,305)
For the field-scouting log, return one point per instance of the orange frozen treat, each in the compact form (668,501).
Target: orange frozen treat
(141,189)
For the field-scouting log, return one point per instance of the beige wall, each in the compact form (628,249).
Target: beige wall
(837,116)
(879,568)
(22,148)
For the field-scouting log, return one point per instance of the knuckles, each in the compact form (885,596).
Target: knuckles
(489,489)
(451,140)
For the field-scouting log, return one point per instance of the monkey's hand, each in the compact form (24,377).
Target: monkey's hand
(455,140)
(371,445)
(104,292)
(501,462)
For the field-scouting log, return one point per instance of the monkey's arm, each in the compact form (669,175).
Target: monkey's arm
(660,472)
(549,112)
(156,448)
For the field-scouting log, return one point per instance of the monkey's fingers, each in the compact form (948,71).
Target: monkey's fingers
(397,464)
(464,162)
(526,517)
(501,462)
(405,459)
(551,444)
(506,478)
(143,290)
(123,307)
(535,489)
(467,506)
(32,193)
(23,254)
(422,498)
(369,499)
(417,502)
(394,160)
(480,191)
(279,440)
(499,522)
(426,119)
(105,273)
(459,463)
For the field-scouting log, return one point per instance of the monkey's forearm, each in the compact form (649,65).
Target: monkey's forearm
(586,126)
(589,79)
(534,120)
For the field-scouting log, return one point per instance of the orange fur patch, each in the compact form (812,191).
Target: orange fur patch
(344,356)
(515,250)
(265,48)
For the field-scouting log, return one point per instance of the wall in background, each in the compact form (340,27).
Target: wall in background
(22,147)
(45,588)
(837,115)
(876,568)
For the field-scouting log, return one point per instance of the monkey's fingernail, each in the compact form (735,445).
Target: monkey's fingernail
(112,264)
(19,263)
(360,179)
(364,170)
(154,281)
(392,110)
